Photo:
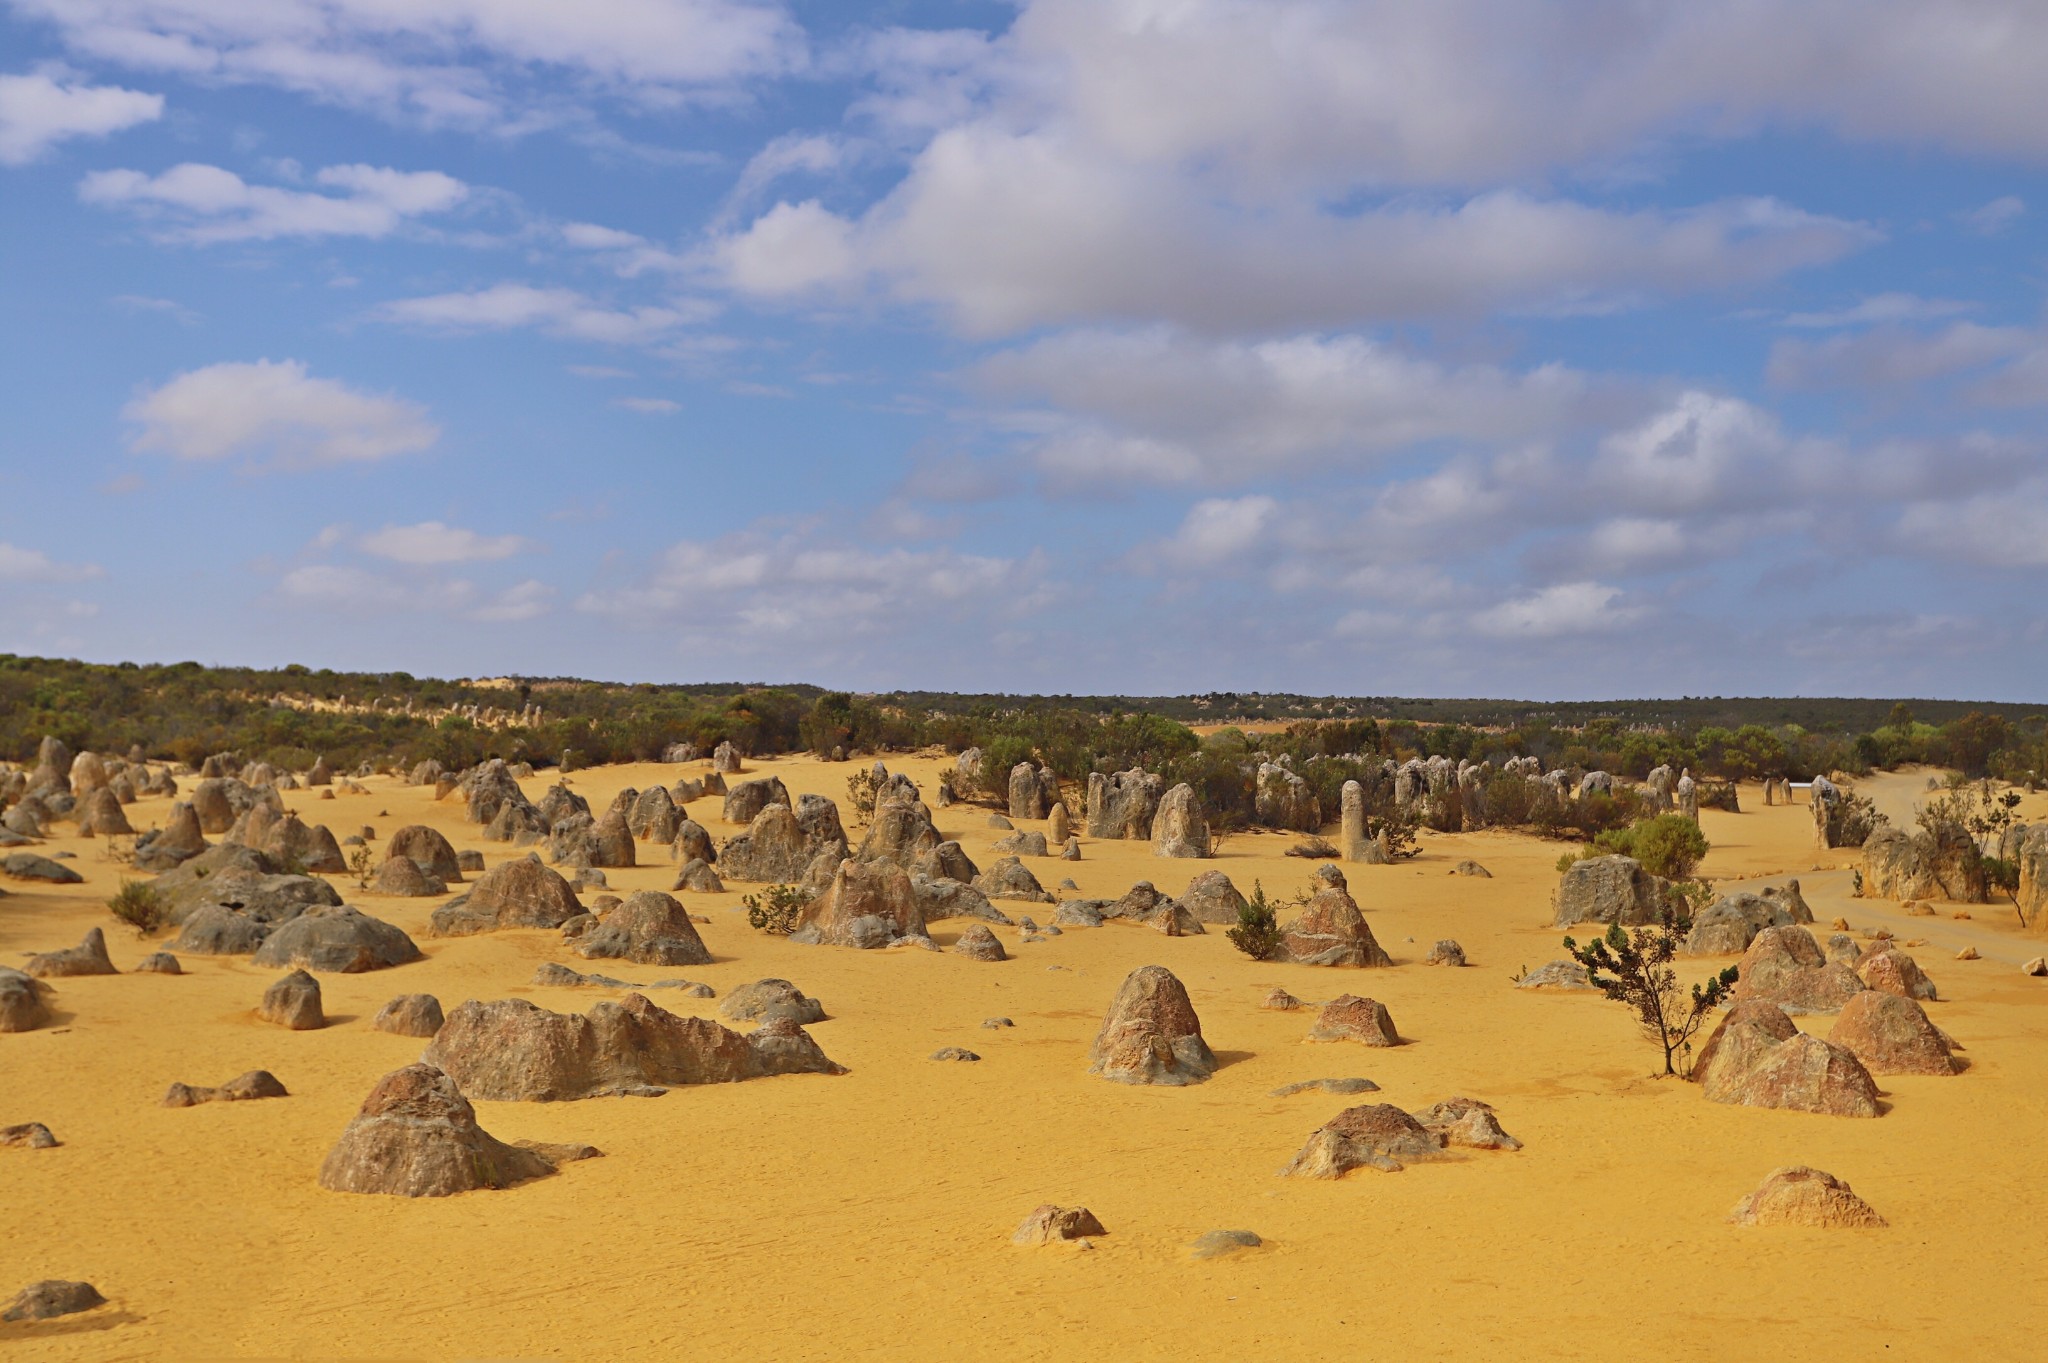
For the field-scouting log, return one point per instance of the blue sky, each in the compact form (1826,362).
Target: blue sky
(1466,348)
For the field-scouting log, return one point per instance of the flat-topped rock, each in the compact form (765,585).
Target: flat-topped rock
(240,1089)
(1371,1136)
(1350,1018)
(1050,1224)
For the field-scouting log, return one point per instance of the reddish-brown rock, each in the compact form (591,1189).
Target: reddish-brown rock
(1798,1196)
(868,904)
(1757,1058)
(1891,1034)
(417,1136)
(1786,966)
(1350,1018)
(1331,931)
(1151,1034)
(1050,1224)
(520,893)
(1895,972)
(1371,1136)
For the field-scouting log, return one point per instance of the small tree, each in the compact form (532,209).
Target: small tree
(860,793)
(362,862)
(1633,966)
(1257,933)
(775,909)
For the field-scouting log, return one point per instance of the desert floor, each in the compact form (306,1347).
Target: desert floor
(869,1215)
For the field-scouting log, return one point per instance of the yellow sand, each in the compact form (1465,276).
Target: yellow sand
(869,1216)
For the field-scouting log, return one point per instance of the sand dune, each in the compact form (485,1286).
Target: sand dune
(869,1215)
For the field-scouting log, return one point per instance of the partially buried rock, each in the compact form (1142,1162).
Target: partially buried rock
(509,1050)
(1050,1224)
(405,878)
(1967,954)
(89,957)
(1372,1136)
(28,1136)
(159,963)
(343,941)
(22,1006)
(30,866)
(868,905)
(1559,975)
(417,1136)
(1211,898)
(1798,1196)
(1471,868)
(978,943)
(1216,1243)
(241,1088)
(293,1002)
(51,1298)
(1445,952)
(997,1024)
(434,853)
(1338,1086)
(771,999)
(1894,972)
(2037,967)
(1891,1034)
(1467,1122)
(1009,878)
(1331,931)
(409,1015)
(650,928)
(954,1053)
(1350,1018)
(1758,1058)
(1151,1034)
(1281,1001)
(697,877)
(520,893)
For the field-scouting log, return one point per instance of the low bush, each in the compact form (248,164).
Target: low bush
(138,904)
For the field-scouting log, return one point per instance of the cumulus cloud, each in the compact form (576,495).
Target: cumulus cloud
(558,311)
(1569,608)
(1996,216)
(438,62)
(433,542)
(275,413)
(1217,531)
(1888,357)
(37,111)
(202,204)
(19,565)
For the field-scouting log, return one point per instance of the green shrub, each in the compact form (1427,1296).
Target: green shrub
(138,904)
(1257,933)
(1668,845)
(775,910)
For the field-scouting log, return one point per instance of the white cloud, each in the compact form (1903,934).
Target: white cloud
(37,112)
(1996,216)
(276,413)
(557,311)
(438,62)
(790,249)
(200,203)
(1217,531)
(1883,307)
(649,406)
(432,542)
(1564,610)
(1884,359)
(18,565)
(522,601)
(790,154)
(2004,529)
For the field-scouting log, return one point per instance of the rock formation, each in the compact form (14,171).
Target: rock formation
(1330,930)
(1798,1196)
(650,928)
(409,1015)
(1211,898)
(1350,1018)
(1178,828)
(521,893)
(1785,966)
(1891,1034)
(749,798)
(23,1006)
(1151,1034)
(337,940)
(1122,806)
(1757,1058)
(979,944)
(293,1002)
(434,853)
(1370,1136)
(1051,1224)
(89,957)
(1611,889)
(417,1136)
(868,904)
(771,1000)
(240,1089)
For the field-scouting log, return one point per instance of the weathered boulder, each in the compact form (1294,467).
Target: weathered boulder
(1211,898)
(240,1089)
(1011,879)
(242,879)
(52,1297)
(1024,843)
(293,1002)
(1331,931)
(32,866)
(100,815)
(1785,966)
(405,878)
(1350,1018)
(947,862)
(1178,828)
(1151,1034)
(518,823)
(178,841)
(693,843)
(902,832)
(1056,825)
(650,928)
(158,963)
(771,1000)
(487,789)
(979,944)
(1787,897)
(747,799)
(291,841)
(1567,976)
(1728,925)
(781,843)
(509,1050)
(867,905)
(1050,1224)
(23,1006)
(214,930)
(1894,972)
(653,817)
(940,897)
(1796,1195)
(417,1136)
(1445,952)
(1612,889)
(1466,1122)
(341,940)
(725,758)
(1280,1000)
(409,1015)
(1899,865)
(1282,799)
(698,878)
(1891,1034)
(1471,868)
(28,1136)
(1122,806)
(521,893)
(1370,1136)
(434,853)
(1757,1058)
(89,957)
(1032,791)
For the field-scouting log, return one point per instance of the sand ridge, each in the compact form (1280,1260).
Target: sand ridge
(869,1215)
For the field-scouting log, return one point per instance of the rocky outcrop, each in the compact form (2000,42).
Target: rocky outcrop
(100,816)
(409,1015)
(1370,1136)
(1025,843)
(1612,889)
(292,842)
(1282,799)
(1899,865)
(521,893)
(1566,976)
(1796,1195)
(158,963)
(781,843)
(1350,1018)
(1011,879)
(509,1050)
(342,941)
(653,817)
(867,905)
(693,843)
(178,841)
(51,1298)
(902,832)
(1051,1225)
(1330,930)
(940,897)
(434,853)
(650,928)
(1728,925)
(1891,1034)
(243,880)
(977,943)
(1211,898)
(89,957)
(1895,972)
(33,866)
(240,1089)
(1445,952)
(771,1000)
(417,1136)
(947,862)
(404,878)
(1122,806)
(698,878)
(293,1002)
(23,1006)
(1785,966)
(1151,1034)
(1466,1122)
(1757,1058)
(748,798)
(1032,791)
(725,758)
(1178,828)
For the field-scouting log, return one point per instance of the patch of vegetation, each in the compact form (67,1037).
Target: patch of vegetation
(1668,845)
(776,909)
(860,796)
(1257,933)
(1314,849)
(138,904)
(1633,967)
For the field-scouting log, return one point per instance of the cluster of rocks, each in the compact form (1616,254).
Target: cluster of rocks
(1382,1136)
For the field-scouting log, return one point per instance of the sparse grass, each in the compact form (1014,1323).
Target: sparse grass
(1314,849)
(138,904)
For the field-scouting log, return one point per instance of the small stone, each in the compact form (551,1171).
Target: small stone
(954,1053)
(1840,925)
(2037,967)
(1960,913)
(1445,952)
(1916,909)
(1049,1224)
(28,1136)
(997,1023)
(1967,954)
(159,963)
(1282,1001)
(1337,1086)
(52,1297)
(1220,1242)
